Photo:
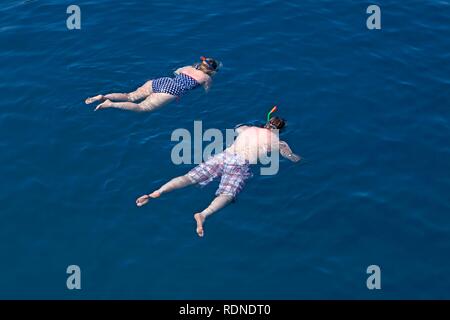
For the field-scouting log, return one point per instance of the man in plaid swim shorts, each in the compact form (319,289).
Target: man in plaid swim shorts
(232,166)
(232,169)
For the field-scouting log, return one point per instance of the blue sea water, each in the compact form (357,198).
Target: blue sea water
(367,109)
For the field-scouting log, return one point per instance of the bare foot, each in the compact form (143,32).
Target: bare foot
(94,99)
(155,194)
(106,104)
(142,200)
(200,219)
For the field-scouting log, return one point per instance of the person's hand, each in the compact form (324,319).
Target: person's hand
(294,157)
(142,200)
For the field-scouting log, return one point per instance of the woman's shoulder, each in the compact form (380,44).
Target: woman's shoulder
(198,75)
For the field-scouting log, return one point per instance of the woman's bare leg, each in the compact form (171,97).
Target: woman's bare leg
(140,93)
(117,97)
(93,99)
(119,105)
(152,102)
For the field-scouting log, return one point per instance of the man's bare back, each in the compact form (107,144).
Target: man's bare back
(253,143)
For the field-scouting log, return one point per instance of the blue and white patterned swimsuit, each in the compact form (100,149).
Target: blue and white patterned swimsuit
(175,86)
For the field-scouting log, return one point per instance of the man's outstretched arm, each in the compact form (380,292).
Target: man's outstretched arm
(287,153)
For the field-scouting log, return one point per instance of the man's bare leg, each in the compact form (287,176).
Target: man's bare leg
(218,203)
(144,199)
(175,183)
(200,219)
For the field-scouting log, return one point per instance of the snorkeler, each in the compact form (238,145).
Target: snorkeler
(157,92)
(232,165)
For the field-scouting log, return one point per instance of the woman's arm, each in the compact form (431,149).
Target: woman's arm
(207,84)
(178,71)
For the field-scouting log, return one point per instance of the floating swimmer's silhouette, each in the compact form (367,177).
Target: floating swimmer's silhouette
(157,92)
(232,165)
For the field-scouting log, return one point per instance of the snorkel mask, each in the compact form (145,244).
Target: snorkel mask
(212,64)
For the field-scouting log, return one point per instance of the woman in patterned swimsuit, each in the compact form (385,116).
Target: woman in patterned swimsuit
(157,92)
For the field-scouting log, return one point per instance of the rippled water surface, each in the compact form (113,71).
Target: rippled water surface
(368,111)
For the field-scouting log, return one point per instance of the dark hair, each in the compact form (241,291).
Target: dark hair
(210,67)
(277,122)
(212,63)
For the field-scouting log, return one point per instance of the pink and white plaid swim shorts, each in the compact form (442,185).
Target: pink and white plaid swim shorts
(232,169)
